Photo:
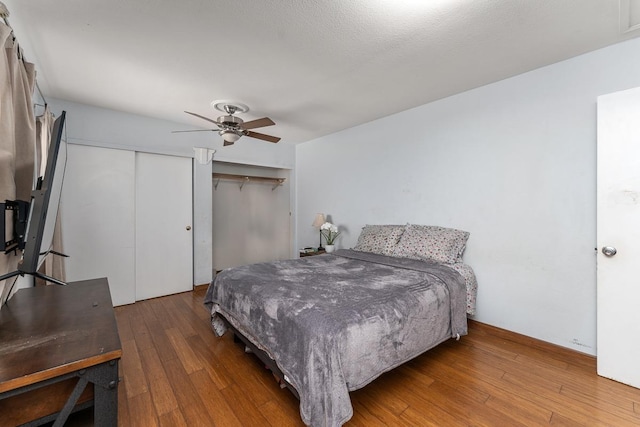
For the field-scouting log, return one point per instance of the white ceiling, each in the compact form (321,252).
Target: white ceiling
(314,66)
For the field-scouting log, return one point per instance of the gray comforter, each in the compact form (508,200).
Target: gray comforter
(335,322)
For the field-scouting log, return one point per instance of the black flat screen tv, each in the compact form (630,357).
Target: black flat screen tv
(43,209)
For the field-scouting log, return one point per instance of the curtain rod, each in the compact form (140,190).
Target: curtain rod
(4,13)
(41,95)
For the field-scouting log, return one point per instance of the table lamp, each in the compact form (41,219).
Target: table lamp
(317,222)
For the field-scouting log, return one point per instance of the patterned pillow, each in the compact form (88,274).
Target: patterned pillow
(379,239)
(471,282)
(433,243)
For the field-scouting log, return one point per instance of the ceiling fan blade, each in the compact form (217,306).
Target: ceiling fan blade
(262,136)
(258,123)
(203,117)
(195,130)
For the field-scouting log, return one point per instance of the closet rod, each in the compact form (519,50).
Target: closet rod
(247,178)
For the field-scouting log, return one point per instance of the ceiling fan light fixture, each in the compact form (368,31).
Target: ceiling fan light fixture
(229,136)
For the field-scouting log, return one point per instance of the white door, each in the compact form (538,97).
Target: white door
(164,254)
(97,217)
(618,223)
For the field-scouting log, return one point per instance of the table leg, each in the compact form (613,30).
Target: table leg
(105,395)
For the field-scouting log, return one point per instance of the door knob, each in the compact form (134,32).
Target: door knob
(609,251)
(188,227)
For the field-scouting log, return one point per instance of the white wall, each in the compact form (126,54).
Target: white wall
(513,162)
(89,125)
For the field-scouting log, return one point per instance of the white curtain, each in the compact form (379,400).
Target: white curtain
(44,127)
(17,135)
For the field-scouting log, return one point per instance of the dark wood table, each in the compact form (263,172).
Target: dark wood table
(304,254)
(59,352)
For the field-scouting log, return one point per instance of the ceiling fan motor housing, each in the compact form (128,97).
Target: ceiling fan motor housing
(230,121)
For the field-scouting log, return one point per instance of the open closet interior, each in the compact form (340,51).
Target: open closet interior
(251,214)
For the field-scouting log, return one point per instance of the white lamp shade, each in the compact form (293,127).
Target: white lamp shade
(319,220)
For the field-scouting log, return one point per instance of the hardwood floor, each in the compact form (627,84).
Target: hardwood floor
(175,372)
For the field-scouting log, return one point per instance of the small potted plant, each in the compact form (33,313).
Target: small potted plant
(330,233)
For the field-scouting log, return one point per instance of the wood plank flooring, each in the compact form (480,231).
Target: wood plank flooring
(175,372)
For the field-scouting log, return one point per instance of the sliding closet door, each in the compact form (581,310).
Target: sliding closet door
(164,254)
(97,216)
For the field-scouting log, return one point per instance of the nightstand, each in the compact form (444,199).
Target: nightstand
(304,254)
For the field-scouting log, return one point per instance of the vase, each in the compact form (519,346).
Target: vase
(329,248)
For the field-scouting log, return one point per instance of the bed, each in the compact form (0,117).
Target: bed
(333,323)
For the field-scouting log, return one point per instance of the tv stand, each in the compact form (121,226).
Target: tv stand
(60,353)
(35,275)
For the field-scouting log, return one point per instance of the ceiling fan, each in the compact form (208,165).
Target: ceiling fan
(231,127)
